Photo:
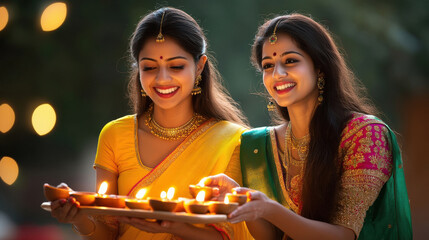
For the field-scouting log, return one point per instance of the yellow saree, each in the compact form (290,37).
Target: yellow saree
(211,149)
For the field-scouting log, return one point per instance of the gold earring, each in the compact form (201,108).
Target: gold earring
(320,86)
(143,93)
(271,106)
(197,89)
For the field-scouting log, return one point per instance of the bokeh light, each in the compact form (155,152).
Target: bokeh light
(4,17)
(7,117)
(43,119)
(53,16)
(8,170)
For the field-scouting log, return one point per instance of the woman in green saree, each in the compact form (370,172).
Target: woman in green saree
(330,169)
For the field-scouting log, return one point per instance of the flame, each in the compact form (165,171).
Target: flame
(170,193)
(103,188)
(234,192)
(163,195)
(140,194)
(200,196)
(226,201)
(202,181)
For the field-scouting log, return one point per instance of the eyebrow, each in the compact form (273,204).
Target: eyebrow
(283,54)
(169,59)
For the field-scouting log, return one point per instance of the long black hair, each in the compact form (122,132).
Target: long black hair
(214,102)
(342,96)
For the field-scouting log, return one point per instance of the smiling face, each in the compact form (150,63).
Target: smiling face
(288,72)
(167,73)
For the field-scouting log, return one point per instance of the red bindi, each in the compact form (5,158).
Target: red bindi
(160,57)
(274,54)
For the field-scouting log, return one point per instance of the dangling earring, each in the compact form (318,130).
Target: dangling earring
(320,86)
(143,93)
(271,106)
(197,89)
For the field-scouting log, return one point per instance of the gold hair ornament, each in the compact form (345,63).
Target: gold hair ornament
(320,86)
(273,37)
(160,38)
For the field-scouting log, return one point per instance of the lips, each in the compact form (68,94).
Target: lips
(166,92)
(284,87)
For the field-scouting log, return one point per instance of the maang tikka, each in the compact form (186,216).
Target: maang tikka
(160,38)
(273,37)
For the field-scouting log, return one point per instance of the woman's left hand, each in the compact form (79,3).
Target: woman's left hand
(153,227)
(255,209)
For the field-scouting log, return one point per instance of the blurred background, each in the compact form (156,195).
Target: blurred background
(64,72)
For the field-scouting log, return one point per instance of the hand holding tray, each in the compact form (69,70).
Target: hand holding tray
(148,214)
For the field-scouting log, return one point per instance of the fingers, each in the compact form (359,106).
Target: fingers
(242,190)
(65,210)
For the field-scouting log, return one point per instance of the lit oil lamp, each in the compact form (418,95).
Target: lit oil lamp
(237,197)
(53,193)
(138,202)
(195,189)
(84,198)
(108,200)
(224,207)
(165,203)
(197,206)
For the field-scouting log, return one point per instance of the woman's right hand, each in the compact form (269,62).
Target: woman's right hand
(66,210)
(222,182)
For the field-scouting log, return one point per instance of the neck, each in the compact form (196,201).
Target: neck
(300,117)
(173,117)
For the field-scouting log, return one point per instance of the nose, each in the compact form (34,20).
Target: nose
(163,75)
(279,71)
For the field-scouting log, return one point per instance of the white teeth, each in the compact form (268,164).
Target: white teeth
(284,86)
(166,91)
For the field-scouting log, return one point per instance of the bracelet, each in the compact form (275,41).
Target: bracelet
(85,235)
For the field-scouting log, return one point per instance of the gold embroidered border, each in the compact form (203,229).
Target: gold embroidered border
(277,160)
(160,169)
(356,125)
(136,144)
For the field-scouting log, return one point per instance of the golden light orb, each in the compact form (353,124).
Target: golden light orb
(8,170)
(53,16)
(43,119)
(7,117)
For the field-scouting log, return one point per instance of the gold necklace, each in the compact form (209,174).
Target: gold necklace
(175,133)
(291,143)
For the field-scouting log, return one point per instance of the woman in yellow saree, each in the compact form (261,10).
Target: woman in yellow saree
(185,127)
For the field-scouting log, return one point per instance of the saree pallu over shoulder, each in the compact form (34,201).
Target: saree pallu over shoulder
(387,218)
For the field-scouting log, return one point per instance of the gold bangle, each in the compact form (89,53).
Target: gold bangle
(85,235)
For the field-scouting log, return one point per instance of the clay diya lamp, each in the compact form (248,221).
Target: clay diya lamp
(197,205)
(195,189)
(142,204)
(138,202)
(84,198)
(224,207)
(237,198)
(165,203)
(54,193)
(114,201)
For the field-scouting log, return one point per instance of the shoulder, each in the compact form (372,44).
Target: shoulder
(228,126)
(256,132)
(361,122)
(118,125)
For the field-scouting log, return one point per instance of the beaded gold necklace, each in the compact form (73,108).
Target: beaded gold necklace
(173,133)
(301,145)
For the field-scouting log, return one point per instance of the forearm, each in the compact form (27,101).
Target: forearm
(262,229)
(191,232)
(298,227)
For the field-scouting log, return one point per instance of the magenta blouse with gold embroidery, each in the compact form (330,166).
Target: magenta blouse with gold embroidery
(367,166)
